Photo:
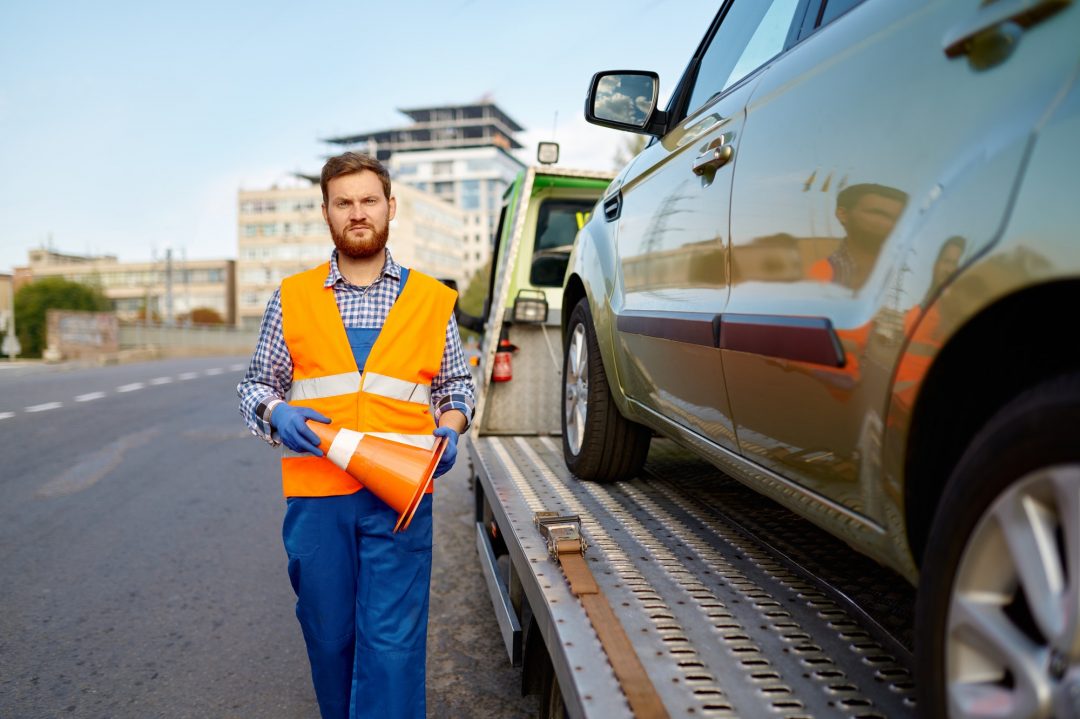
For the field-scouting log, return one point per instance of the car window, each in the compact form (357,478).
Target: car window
(834,9)
(752,32)
(557,225)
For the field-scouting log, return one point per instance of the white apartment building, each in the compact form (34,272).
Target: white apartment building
(472,179)
(281,231)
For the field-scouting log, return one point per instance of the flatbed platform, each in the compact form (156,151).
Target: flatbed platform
(735,606)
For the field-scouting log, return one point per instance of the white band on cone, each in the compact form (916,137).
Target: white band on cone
(343,447)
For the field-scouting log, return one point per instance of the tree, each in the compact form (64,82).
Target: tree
(472,300)
(206,316)
(52,293)
(629,149)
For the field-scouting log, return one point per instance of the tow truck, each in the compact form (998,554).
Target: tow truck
(678,593)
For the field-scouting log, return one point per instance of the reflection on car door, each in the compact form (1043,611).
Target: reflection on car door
(855,143)
(672,236)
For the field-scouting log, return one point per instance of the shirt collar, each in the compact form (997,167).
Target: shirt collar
(390,268)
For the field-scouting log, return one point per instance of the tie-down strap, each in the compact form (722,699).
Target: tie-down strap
(567,546)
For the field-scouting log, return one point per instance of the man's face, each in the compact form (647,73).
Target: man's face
(947,263)
(871,219)
(358,214)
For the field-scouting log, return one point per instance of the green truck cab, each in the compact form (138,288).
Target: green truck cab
(542,211)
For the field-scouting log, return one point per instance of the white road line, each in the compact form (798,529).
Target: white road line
(213,371)
(6,415)
(237,367)
(43,407)
(89,396)
(161,380)
(130,387)
(187,375)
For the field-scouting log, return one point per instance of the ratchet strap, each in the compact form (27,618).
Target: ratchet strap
(567,546)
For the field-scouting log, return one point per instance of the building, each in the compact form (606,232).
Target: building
(459,153)
(445,127)
(144,289)
(281,231)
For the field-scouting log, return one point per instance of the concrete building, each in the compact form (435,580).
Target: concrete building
(281,231)
(135,287)
(459,153)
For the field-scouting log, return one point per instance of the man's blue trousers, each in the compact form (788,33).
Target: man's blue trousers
(362,602)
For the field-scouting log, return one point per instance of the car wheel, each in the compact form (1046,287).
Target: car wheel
(598,442)
(998,612)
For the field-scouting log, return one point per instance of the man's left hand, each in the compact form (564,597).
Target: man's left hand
(449,454)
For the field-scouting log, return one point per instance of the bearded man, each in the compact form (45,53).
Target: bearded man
(364,344)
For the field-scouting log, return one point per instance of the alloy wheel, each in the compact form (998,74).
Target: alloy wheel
(576,388)
(1012,647)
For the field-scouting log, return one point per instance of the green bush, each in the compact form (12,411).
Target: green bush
(51,293)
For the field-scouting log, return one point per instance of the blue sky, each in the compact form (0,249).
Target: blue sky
(128,127)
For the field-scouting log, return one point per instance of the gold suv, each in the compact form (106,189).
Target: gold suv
(846,270)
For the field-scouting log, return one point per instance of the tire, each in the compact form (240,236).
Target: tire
(998,611)
(552,705)
(599,444)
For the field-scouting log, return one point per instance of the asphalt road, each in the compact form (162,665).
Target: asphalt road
(143,572)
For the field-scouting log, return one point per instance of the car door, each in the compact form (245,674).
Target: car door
(673,229)
(858,143)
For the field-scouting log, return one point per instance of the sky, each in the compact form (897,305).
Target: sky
(128,127)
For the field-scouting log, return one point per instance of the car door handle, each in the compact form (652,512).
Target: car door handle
(992,16)
(713,158)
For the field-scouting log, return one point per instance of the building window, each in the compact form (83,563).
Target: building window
(470,195)
(251,230)
(443,167)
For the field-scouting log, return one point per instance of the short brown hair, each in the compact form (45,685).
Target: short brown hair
(351,162)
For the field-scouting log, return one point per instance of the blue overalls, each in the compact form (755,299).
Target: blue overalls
(362,594)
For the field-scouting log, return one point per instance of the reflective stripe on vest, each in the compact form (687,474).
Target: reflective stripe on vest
(347,440)
(319,387)
(395,388)
(350,383)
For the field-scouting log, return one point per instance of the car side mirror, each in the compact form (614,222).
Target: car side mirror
(625,100)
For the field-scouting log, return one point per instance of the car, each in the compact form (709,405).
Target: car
(845,270)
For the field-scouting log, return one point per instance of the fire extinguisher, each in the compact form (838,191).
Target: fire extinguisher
(503,368)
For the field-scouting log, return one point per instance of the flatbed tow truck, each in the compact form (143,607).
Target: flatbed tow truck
(678,593)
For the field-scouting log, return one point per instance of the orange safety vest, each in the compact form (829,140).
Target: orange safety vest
(391,398)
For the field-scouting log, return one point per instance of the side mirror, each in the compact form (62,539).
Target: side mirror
(625,100)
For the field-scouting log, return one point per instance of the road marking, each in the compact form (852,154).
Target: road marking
(161,380)
(236,367)
(89,397)
(130,387)
(187,375)
(43,407)
(213,371)
(6,415)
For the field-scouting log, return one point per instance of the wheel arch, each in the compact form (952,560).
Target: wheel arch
(1012,345)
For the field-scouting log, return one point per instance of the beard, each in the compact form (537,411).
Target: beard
(359,249)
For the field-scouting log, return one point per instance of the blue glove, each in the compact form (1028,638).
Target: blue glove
(450,453)
(297,436)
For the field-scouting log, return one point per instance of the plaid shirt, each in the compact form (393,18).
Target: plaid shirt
(269,376)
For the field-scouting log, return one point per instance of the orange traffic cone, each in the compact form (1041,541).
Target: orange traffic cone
(399,474)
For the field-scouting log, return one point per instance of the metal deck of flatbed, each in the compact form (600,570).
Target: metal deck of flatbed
(727,622)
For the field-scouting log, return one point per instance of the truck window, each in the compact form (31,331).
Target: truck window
(557,224)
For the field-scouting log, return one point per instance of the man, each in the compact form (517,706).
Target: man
(361,343)
(868,213)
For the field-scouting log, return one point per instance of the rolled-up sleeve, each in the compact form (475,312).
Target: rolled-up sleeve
(453,387)
(269,374)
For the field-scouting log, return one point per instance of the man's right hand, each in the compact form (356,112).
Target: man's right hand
(290,424)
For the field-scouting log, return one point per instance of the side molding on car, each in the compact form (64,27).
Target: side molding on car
(803,339)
